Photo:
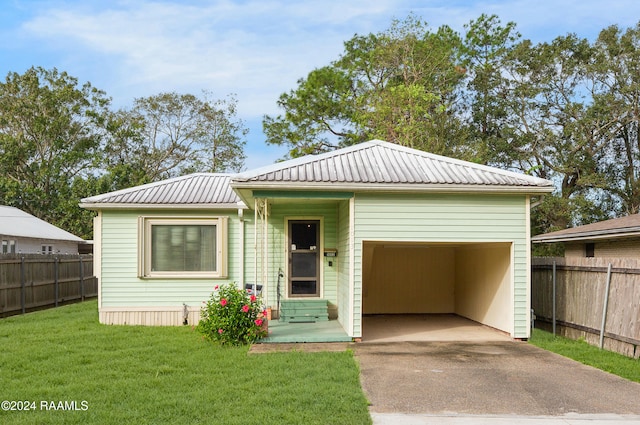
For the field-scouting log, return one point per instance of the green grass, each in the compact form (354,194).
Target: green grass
(165,375)
(581,351)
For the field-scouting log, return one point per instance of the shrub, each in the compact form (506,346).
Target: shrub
(232,316)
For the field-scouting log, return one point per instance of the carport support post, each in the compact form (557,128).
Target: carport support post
(605,306)
(553,301)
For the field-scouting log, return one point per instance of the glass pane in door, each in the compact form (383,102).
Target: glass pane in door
(303,264)
(304,258)
(304,287)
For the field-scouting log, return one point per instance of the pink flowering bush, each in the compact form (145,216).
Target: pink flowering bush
(232,316)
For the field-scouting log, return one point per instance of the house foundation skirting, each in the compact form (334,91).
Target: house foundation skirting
(150,316)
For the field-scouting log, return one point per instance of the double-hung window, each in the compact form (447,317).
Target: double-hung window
(9,246)
(183,247)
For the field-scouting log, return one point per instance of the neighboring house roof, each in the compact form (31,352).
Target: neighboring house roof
(379,165)
(623,227)
(15,222)
(204,190)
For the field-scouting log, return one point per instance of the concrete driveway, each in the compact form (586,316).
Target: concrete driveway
(489,382)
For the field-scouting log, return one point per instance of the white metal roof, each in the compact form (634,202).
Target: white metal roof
(15,222)
(210,190)
(379,164)
(373,165)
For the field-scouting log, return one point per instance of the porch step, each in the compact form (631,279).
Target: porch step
(298,311)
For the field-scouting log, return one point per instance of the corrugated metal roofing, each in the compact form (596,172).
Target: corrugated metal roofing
(623,226)
(371,163)
(193,189)
(15,222)
(379,162)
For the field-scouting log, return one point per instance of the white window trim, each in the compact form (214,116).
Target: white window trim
(8,246)
(144,243)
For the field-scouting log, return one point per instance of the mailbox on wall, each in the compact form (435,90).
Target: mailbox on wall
(330,252)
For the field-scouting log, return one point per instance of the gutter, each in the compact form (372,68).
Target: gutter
(129,206)
(403,187)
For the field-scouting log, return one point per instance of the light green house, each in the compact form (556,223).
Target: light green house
(375,228)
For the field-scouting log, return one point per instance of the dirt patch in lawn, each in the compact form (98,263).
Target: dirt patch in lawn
(309,347)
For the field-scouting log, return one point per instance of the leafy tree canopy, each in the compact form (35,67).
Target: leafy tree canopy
(51,133)
(60,142)
(397,85)
(566,110)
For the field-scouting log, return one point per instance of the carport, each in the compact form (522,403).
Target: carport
(399,232)
(432,285)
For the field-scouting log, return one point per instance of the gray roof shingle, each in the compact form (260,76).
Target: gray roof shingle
(628,226)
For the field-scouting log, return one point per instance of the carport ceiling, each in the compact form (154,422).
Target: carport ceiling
(420,244)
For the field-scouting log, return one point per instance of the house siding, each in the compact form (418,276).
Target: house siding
(126,298)
(34,245)
(445,218)
(624,248)
(327,212)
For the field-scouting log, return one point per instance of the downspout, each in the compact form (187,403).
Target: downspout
(265,276)
(255,241)
(242,256)
(538,202)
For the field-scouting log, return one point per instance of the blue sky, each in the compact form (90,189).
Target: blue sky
(254,49)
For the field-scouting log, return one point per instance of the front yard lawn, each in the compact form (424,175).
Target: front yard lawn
(64,367)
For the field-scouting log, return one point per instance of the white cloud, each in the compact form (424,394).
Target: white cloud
(255,49)
(259,49)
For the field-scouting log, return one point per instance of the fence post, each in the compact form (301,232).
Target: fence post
(605,306)
(553,303)
(23,278)
(81,279)
(56,281)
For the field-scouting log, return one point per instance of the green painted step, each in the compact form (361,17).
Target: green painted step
(304,302)
(297,311)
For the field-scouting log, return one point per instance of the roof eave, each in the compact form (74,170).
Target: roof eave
(95,206)
(393,187)
(587,236)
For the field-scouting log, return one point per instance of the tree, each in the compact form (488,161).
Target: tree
(171,134)
(51,130)
(567,110)
(617,55)
(398,85)
(491,93)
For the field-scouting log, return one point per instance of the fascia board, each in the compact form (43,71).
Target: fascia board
(588,236)
(128,206)
(381,187)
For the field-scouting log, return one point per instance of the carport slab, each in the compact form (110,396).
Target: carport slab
(489,378)
(427,327)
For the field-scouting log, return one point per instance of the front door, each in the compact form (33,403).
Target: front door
(304,258)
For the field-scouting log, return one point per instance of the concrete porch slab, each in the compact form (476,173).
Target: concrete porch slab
(281,332)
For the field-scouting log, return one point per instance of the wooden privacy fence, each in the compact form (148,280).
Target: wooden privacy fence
(597,299)
(33,281)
